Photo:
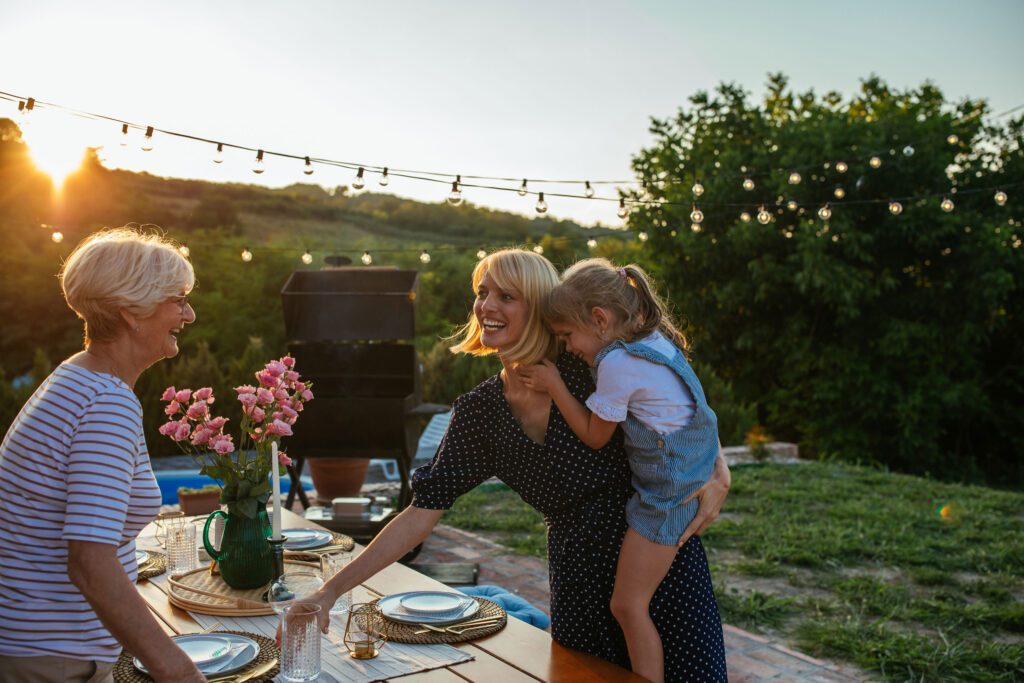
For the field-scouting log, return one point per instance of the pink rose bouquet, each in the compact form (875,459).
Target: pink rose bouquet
(269,410)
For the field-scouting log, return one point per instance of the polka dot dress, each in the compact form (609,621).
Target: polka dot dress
(582,494)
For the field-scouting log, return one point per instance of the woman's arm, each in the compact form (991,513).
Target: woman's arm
(402,534)
(97,573)
(712,496)
(591,429)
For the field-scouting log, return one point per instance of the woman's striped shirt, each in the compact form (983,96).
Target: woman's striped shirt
(73,466)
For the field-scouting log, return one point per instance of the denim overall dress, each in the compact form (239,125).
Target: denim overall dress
(667,467)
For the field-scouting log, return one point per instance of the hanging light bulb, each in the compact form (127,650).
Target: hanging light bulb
(642,236)
(794,178)
(748,184)
(591,243)
(623,211)
(697,216)
(308,168)
(384,180)
(841,167)
(745,217)
(246,254)
(698,189)
(538,249)
(307,258)
(57,236)
(953,138)
(673,233)
(908,151)
(522,189)
(366,258)
(947,204)
(218,156)
(185,251)
(588,191)
(123,138)
(792,205)
(763,217)
(1000,198)
(895,208)
(147,141)
(839,192)
(876,162)
(825,212)
(258,166)
(424,257)
(24,109)
(541,206)
(455,196)
(695,227)
(359,182)
(482,253)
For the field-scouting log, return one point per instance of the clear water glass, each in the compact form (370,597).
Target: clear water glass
(300,642)
(292,586)
(331,564)
(181,549)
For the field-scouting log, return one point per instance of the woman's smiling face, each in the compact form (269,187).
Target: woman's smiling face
(501,314)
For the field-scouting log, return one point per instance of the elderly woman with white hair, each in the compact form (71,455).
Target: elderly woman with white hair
(76,485)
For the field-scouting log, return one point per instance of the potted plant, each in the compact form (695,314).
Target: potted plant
(201,501)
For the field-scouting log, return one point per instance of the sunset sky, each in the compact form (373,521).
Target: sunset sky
(517,89)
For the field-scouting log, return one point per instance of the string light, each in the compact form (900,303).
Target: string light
(455,196)
(698,189)
(876,162)
(791,205)
(57,236)
(218,156)
(246,254)
(123,140)
(642,236)
(695,227)
(697,216)
(541,206)
(24,109)
(588,192)
(763,217)
(745,217)
(895,208)
(359,181)
(308,167)
(953,138)
(591,243)
(1000,198)
(522,189)
(947,204)
(366,258)
(825,212)
(623,211)
(908,151)
(184,250)
(147,141)
(538,249)
(384,178)
(841,167)
(307,258)
(673,233)
(839,192)
(794,178)
(258,166)
(424,257)
(481,254)
(748,184)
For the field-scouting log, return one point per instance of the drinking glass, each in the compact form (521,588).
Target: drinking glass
(331,564)
(181,549)
(292,586)
(300,642)
(163,522)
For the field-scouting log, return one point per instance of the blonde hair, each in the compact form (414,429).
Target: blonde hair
(627,293)
(122,268)
(529,276)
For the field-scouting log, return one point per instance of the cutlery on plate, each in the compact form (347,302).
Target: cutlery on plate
(457,629)
(233,658)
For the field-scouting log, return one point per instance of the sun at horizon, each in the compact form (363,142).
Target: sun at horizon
(55,150)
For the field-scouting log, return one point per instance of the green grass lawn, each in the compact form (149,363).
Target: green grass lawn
(907,577)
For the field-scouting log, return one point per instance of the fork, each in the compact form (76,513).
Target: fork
(459,629)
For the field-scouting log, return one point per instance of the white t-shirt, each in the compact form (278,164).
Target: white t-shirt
(651,392)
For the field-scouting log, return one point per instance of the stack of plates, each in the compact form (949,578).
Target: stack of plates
(428,607)
(141,558)
(306,539)
(215,653)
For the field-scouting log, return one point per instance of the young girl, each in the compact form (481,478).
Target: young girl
(612,319)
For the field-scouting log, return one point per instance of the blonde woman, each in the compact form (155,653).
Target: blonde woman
(504,429)
(76,485)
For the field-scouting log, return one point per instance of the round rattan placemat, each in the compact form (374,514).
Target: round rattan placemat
(406,633)
(213,596)
(154,566)
(125,671)
(339,543)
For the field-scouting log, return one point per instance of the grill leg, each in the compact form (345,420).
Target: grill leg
(294,472)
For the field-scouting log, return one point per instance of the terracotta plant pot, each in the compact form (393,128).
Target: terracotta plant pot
(199,502)
(337,477)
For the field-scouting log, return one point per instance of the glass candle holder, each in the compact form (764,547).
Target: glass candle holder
(165,521)
(366,631)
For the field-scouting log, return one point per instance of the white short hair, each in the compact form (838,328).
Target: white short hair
(122,268)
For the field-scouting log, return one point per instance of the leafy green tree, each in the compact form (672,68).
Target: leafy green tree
(869,335)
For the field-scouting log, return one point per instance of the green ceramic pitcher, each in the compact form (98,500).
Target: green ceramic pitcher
(244,556)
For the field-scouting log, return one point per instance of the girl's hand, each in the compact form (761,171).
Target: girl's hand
(711,496)
(542,377)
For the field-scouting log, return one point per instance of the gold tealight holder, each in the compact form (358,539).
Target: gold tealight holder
(366,631)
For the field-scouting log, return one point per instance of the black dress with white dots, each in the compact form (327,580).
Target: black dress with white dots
(582,494)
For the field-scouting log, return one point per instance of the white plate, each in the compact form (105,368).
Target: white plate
(391,606)
(141,557)
(230,664)
(433,603)
(305,539)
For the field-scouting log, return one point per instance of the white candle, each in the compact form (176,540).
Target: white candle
(276,478)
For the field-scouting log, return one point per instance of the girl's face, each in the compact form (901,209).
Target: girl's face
(580,341)
(502,315)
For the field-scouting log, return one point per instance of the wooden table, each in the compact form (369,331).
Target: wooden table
(519,652)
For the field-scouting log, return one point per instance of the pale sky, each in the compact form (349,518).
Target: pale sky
(519,89)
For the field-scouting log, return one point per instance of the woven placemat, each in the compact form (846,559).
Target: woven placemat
(154,566)
(213,596)
(339,543)
(125,671)
(406,633)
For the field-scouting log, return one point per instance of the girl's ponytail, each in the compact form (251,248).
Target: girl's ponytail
(651,312)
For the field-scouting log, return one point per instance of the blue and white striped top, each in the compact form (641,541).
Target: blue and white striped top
(73,466)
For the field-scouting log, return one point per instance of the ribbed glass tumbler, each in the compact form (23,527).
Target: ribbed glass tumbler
(300,643)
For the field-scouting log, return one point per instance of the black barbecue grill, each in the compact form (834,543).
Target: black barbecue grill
(350,330)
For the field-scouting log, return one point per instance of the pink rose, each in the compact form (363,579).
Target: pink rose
(307,395)
(169,428)
(291,376)
(172,407)
(245,389)
(204,394)
(183,396)
(169,393)
(288,361)
(181,431)
(201,435)
(266,379)
(276,368)
(289,415)
(222,444)
(216,424)
(277,427)
(283,459)
(197,411)
(264,396)
(258,414)
(281,394)
(248,401)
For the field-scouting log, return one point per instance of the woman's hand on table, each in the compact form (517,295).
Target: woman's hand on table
(324,599)
(711,496)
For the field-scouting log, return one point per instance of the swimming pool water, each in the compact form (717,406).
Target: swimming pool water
(171,480)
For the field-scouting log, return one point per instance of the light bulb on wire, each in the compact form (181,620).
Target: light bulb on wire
(623,211)
(123,138)
(258,166)
(695,227)
(698,189)
(184,250)
(24,110)
(541,206)
(839,192)
(522,189)
(825,212)
(538,249)
(147,140)
(794,178)
(748,184)
(763,217)
(841,167)
(359,182)
(481,254)
(384,180)
(218,156)
(307,258)
(745,217)
(57,236)
(696,216)
(455,196)
(946,205)
(591,243)
(588,191)
(246,254)
(953,138)
(895,208)
(792,205)
(424,257)
(1000,198)
(876,162)
(366,258)
(642,236)
(908,151)
(308,167)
